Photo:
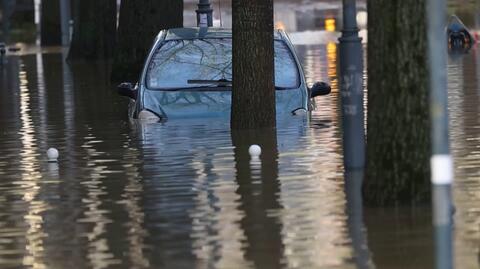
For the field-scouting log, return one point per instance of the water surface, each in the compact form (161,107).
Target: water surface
(185,194)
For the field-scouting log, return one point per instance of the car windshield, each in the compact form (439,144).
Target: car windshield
(180,64)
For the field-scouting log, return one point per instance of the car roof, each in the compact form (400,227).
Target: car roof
(205,32)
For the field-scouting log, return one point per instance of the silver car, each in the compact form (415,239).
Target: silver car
(188,74)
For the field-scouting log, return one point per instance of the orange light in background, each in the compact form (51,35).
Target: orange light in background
(332,65)
(279,25)
(330,25)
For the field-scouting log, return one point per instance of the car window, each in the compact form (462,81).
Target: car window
(177,62)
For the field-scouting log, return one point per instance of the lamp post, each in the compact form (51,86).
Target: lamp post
(441,160)
(351,89)
(204,14)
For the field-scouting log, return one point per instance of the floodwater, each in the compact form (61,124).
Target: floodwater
(185,194)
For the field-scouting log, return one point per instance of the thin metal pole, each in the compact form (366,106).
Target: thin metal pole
(204,14)
(65,17)
(441,160)
(351,89)
(442,172)
(443,226)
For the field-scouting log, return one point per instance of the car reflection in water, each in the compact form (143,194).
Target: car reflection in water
(202,194)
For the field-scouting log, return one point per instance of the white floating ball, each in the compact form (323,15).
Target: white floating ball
(52,154)
(255,151)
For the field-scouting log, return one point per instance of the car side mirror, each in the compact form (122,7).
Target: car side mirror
(126,89)
(320,88)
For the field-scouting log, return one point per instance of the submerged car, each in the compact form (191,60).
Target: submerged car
(459,37)
(188,73)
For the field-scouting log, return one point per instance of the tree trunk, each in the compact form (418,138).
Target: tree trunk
(140,22)
(51,32)
(253,97)
(398,135)
(94,29)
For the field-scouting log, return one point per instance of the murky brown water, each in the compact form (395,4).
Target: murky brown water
(184,194)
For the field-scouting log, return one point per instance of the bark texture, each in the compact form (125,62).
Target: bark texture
(398,148)
(139,24)
(94,29)
(51,32)
(253,97)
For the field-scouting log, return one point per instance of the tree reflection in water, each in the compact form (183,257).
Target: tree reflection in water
(259,197)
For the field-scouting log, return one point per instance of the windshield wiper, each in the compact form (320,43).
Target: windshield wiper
(280,88)
(225,83)
(218,82)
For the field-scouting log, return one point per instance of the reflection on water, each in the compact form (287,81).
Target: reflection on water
(185,194)
(464,100)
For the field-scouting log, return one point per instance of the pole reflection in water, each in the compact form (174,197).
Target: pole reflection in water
(356,227)
(131,199)
(68,108)
(258,197)
(31,178)
(42,101)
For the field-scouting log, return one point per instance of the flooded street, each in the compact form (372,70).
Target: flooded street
(184,194)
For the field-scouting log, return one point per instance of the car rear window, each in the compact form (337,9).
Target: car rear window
(177,62)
